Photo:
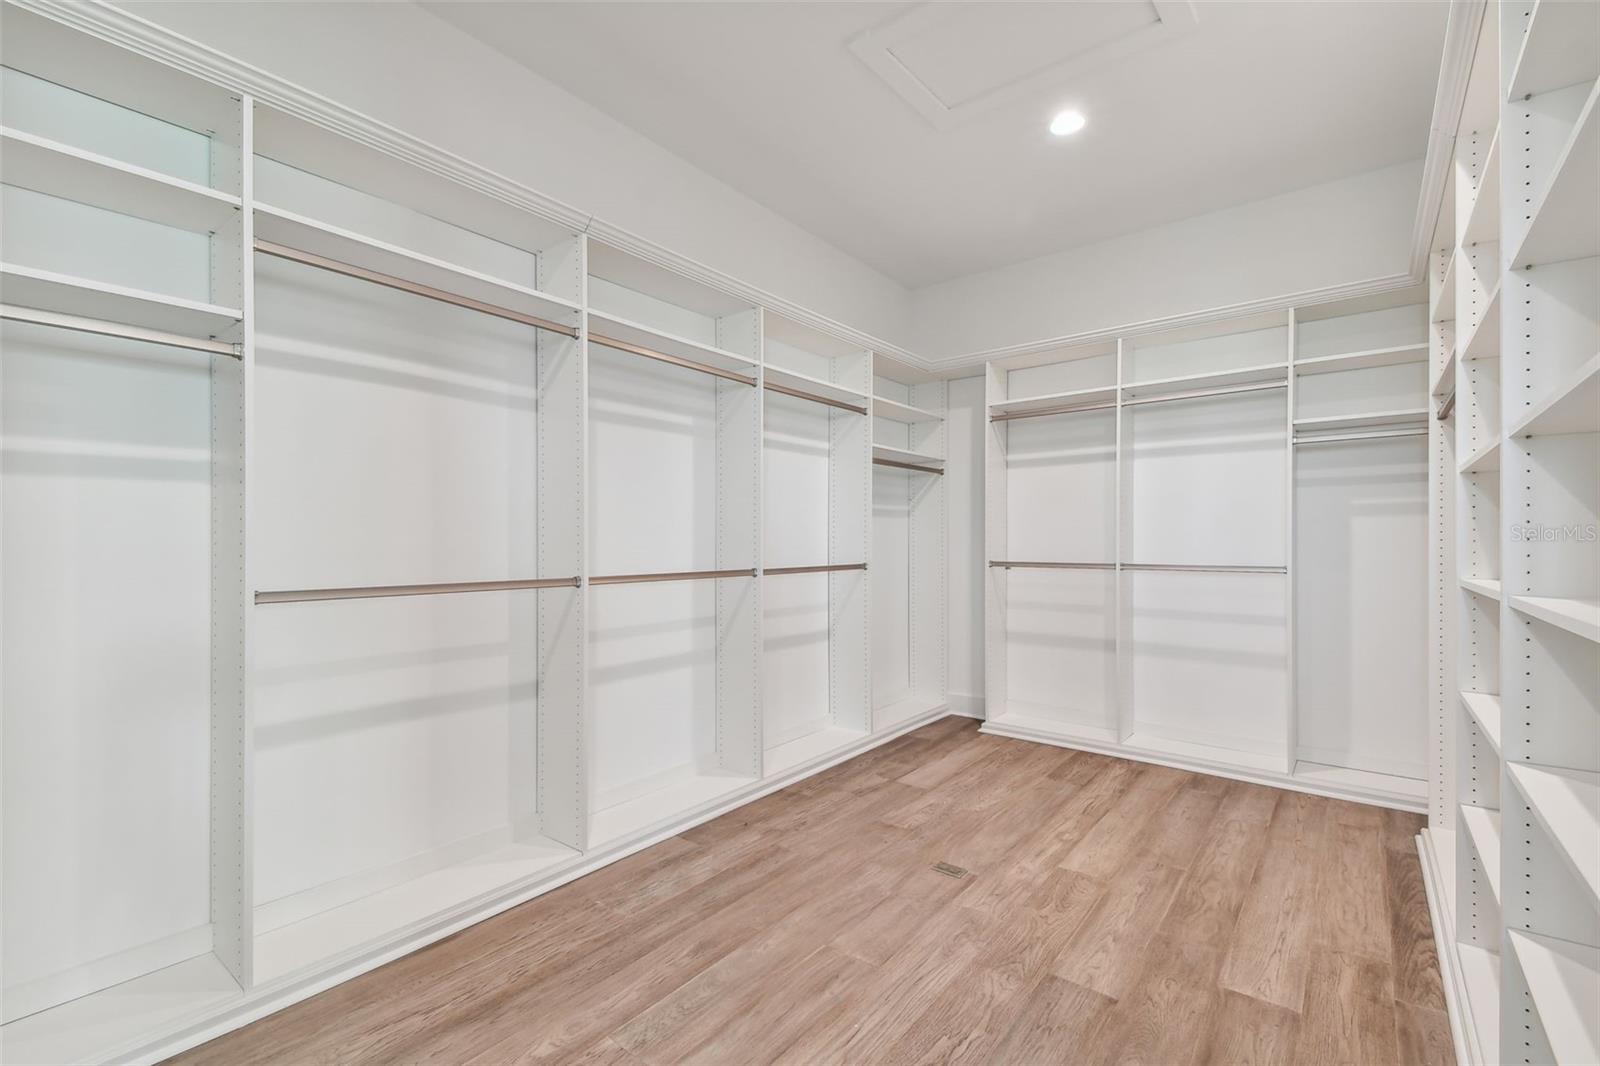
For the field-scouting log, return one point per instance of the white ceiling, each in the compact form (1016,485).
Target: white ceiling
(913,135)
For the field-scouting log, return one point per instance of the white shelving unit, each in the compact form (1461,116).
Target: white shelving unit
(1113,524)
(1518,463)
(392,552)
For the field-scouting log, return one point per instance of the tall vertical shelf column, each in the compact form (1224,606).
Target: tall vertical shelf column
(908,553)
(674,528)
(1550,491)
(816,544)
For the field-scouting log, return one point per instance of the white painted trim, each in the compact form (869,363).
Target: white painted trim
(270,998)
(1462,1033)
(21,1000)
(1203,766)
(1450,97)
(966,705)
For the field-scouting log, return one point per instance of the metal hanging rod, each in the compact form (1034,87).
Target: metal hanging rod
(676,575)
(373,592)
(665,357)
(1206,569)
(1043,412)
(773,571)
(1201,394)
(1377,434)
(1014,564)
(350,270)
(897,464)
(813,397)
(102,328)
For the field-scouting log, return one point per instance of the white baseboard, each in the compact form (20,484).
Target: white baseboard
(966,705)
(1458,1004)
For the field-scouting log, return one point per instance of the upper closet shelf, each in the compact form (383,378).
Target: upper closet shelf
(1483,217)
(1575,616)
(901,455)
(345,246)
(895,411)
(1572,408)
(1251,375)
(1560,47)
(1446,383)
(1567,804)
(1566,219)
(1484,341)
(814,386)
(60,170)
(1370,420)
(1328,364)
(1484,459)
(1487,587)
(605,325)
(1054,401)
(64,294)
(1564,983)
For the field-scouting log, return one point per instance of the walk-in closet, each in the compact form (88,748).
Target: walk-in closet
(799,533)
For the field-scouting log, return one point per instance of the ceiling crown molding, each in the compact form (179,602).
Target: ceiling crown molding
(1449,99)
(119,26)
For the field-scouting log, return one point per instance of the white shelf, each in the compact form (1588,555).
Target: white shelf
(1369,420)
(1561,47)
(94,1028)
(1566,220)
(1483,826)
(812,746)
(1073,398)
(777,375)
(1567,804)
(892,714)
(327,934)
(1574,407)
(1564,983)
(1575,616)
(1482,586)
(1485,710)
(1483,217)
(45,290)
(901,455)
(1445,309)
(1021,720)
(1215,754)
(1484,459)
(1249,375)
(895,411)
(1329,364)
(618,328)
(1445,384)
(1372,782)
(681,799)
(60,170)
(319,238)
(1484,340)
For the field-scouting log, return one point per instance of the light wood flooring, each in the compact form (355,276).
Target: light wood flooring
(1113,912)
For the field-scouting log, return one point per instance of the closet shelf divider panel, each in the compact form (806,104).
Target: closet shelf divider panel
(38,163)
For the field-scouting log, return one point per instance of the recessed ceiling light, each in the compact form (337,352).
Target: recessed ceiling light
(1067,123)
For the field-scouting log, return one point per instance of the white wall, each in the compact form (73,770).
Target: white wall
(400,64)
(1342,231)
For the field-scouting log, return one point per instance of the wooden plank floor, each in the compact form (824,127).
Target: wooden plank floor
(1113,912)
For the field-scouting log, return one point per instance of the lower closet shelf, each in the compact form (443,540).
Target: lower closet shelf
(1480,973)
(681,799)
(102,1026)
(892,714)
(817,745)
(1563,981)
(427,900)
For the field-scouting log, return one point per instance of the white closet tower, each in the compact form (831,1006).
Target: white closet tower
(1512,851)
